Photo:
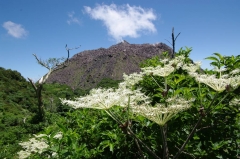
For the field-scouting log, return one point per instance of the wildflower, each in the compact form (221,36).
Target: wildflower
(105,99)
(191,67)
(98,99)
(58,136)
(236,71)
(23,154)
(234,101)
(168,67)
(131,80)
(160,113)
(159,70)
(32,146)
(177,61)
(218,84)
(235,81)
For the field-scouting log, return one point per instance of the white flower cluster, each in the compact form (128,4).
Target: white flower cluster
(159,70)
(235,101)
(130,80)
(106,98)
(58,136)
(36,145)
(139,102)
(192,67)
(161,113)
(32,146)
(218,84)
(164,71)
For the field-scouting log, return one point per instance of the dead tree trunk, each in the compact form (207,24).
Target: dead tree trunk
(173,42)
(52,65)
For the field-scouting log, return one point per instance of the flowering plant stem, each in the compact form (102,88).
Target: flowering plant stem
(164,127)
(164,138)
(111,114)
(196,125)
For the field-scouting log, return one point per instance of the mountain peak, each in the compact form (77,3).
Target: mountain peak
(86,69)
(124,42)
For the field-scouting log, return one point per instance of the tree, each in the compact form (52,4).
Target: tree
(52,64)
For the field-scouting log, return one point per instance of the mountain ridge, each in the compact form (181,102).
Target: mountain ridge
(87,68)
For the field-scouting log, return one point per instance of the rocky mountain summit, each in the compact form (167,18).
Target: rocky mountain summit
(87,68)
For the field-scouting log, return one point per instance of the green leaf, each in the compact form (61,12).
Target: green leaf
(196,137)
(111,147)
(212,58)
(63,128)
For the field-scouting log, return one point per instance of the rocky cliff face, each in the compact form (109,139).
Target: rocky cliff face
(88,68)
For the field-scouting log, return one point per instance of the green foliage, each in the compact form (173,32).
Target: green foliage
(18,107)
(209,141)
(89,134)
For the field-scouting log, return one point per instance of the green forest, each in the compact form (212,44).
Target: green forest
(172,109)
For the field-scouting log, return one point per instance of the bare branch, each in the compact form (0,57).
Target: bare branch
(68,49)
(41,62)
(206,127)
(177,36)
(187,153)
(173,42)
(168,41)
(32,83)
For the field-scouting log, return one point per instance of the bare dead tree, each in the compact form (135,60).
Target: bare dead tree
(173,42)
(52,64)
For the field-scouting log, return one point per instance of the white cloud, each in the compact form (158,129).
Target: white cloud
(125,20)
(15,30)
(72,19)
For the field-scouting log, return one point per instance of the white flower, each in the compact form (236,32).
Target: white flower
(159,70)
(98,99)
(168,67)
(131,80)
(58,136)
(106,98)
(160,113)
(218,84)
(236,71)
(234,101)
(32,146)
(191,68)
(235,81)
(23,154)
(178,61)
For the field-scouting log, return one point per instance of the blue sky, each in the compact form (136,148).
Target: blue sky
(45,27)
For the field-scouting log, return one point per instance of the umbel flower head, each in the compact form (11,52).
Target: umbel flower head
(97,99)
(218,84)
(32,146)
(192,67)
(131,80)
(106,98)
(235,101)
(160,113)
(168,67)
